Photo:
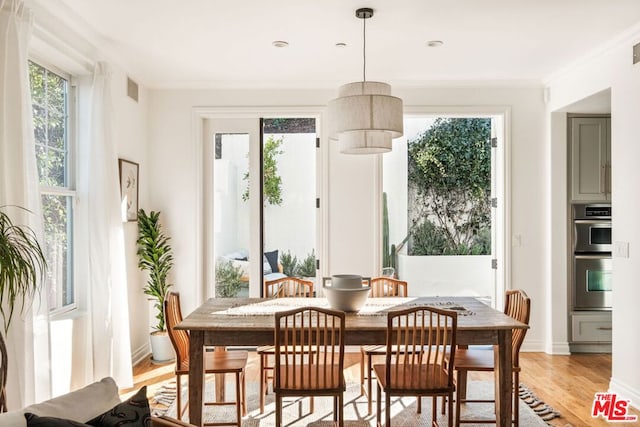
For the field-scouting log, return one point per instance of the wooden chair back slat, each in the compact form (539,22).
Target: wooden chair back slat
(309,346)
(388,287)
(288,287)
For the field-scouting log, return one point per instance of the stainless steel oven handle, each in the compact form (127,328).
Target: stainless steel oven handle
(605,255)
(605,223)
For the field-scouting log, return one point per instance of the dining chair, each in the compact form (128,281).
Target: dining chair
(280,288)
(318,371)
(517,306)
(380,287)
(418,341)
(288,287)
(215,362)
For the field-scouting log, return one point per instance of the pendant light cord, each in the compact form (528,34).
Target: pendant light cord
(364,50)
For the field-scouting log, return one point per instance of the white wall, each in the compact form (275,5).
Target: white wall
(464,275)
(353,229)
(613,69)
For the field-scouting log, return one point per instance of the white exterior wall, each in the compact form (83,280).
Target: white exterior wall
(350,188)
(613,69)
(449,275)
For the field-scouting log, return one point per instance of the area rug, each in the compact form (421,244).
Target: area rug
(296,410)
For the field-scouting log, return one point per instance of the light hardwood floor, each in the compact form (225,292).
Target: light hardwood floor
(567,383)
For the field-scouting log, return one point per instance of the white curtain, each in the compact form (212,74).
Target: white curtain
(107,268)
(28,338)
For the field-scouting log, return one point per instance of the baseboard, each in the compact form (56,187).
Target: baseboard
(558,348)
(532,346)
(140,354)
(624,391)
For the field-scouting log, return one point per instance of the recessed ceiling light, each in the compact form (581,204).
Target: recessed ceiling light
(280,43)
(435,43)
(341,44)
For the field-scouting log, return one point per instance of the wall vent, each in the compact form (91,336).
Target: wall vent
(636,53)
(132,89)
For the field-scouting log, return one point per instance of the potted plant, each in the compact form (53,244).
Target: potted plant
(22,267)
(155,256)
(228,279)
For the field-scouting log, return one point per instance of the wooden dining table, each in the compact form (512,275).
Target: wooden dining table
(250,322)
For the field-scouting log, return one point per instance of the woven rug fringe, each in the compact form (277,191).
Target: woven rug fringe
(544,411)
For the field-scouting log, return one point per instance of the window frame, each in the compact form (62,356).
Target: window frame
(70,190)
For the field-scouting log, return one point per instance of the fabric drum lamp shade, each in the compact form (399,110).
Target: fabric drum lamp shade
(365,118)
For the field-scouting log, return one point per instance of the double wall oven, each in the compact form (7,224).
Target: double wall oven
(592,264)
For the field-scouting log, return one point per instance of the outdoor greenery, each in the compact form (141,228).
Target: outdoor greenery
(294,268)
(49,107)
(22,268)
(228,279)
(307,267)
(272,181)
(450,188)
(388,251)
(154,256)
(289,264)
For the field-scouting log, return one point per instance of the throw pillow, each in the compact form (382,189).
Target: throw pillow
(133,412)
(266,267)
(34,420)
(272,257)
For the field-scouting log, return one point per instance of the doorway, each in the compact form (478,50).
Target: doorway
(260,216)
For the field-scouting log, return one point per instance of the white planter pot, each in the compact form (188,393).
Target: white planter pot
(161,348)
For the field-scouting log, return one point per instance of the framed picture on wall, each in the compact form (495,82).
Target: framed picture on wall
(128,189)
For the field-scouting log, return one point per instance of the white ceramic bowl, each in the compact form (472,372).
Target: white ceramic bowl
(346,292)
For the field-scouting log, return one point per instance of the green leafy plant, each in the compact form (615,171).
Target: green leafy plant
(289,264)
(272,181)
(22,268)
(450,187)
(307,267)
(155,256)
(228,279)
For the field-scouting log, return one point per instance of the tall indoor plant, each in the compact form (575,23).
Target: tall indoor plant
(22,267)
(155,256)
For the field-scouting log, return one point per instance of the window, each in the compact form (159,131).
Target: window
(50,94)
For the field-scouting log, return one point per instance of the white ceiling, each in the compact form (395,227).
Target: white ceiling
(215,43)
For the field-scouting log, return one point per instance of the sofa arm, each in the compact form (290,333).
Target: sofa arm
(164,421)
(79,405)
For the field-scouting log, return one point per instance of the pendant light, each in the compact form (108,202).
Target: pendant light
(365,117)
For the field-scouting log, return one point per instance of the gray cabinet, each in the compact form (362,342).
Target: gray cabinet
(590,332)
(590,159)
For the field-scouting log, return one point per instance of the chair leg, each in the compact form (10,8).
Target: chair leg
(278,410)
(458,399)
(450,417)
(387,409)
(238,400)
(362,392)
(516,399)
(335,409)
(434,409)
(263,381)
(179,395)
(369,375)
(311,405)
(379,407)
(244,394)
(419,404)
(341,410)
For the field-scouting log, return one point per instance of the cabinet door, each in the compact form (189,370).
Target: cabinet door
(589,159)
